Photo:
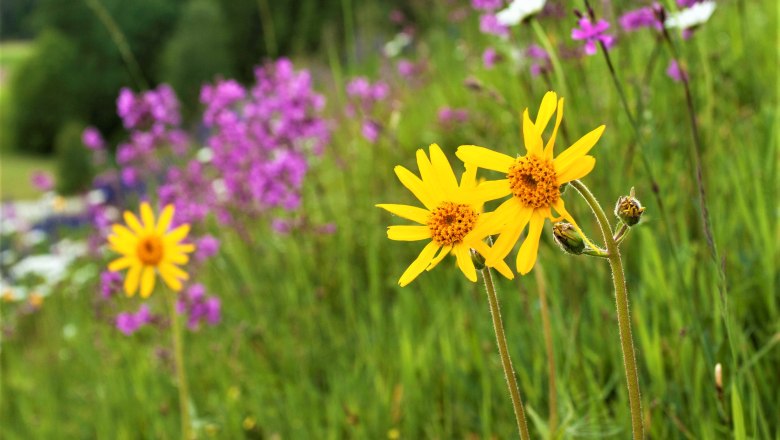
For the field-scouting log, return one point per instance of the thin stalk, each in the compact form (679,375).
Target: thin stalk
(541,287)
(506,362)
(620,235)
(119,41)
(621,302)
(181,374)
(269,33)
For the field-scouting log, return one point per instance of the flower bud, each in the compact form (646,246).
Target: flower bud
(719,377)
(628,209)
(478,259)
(568,238)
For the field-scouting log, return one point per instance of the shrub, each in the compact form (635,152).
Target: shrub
(74,169)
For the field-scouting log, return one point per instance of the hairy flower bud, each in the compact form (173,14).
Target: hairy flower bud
(568,238)
(478,259)
(629,209)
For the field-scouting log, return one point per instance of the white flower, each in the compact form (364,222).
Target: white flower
(394,47)
(519,10)
(694,16)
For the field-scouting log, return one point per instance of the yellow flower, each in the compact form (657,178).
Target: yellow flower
(148,248)
(533,181)
(452,219)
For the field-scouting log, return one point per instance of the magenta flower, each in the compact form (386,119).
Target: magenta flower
(642,17)
(110,284)
(490,57)
(92,139)
(129,323)
(406,68)
(541,59)
(592,34)
(42,181)
(370,130)
(448,115)
(487,5)
(676,72)
(488,24)
(198,307)
(206,248)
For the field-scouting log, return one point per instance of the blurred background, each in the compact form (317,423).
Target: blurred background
(303,330)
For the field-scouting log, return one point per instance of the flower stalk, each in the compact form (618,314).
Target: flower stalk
(541,286)
(506,362)
(181,373)
(621,300)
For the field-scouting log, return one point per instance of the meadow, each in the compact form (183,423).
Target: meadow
(316,338)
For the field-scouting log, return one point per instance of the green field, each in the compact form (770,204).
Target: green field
(317,341)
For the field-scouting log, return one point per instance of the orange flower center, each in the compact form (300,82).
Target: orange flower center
(150,250)
(533,181)
(450,222)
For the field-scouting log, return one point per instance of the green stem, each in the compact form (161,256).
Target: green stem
(621,233)
(506,362)
(621,300)
(181,374)
(541,286)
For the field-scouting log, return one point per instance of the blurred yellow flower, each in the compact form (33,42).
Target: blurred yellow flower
(533,181)
(148,248)
(452,219)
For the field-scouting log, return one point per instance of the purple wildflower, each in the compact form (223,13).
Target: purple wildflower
(676,72)
(406,68)
(110,284)
(487,5)
(370,130)
(92,139)
(129,323)
(206,248)
(449,115)
(541,60)
(490,57)
(198,307)
(42,181)
(642,17)
(592,34)
(488,24)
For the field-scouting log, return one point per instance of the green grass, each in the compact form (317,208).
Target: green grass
(318,341)
(15,173)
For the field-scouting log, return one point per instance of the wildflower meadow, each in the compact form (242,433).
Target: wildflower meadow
(403,219)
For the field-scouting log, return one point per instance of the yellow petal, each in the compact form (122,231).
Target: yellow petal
(186,248)
(578,149)
(122,233)
(164,222)
(177,235)
(437,259)
(121,263)
(408,233)
(548,150)
(176,258)
(173,270)
(490,223)
(419,264)
(494,189)
(546,110)
(412,213)
(484,158)
(427,174)
(466,265)
(417,187)
(531,137)
(147,215)
(443,170)
(468,180)
(508,238)
(526,256)
(577,169)
(500,265)
(126,247)
(133,223)
(147,281)
(171,281)
(132,279)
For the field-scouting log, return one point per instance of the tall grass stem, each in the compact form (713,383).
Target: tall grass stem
(506,362)
(541,287)
(181,373)
(621,302)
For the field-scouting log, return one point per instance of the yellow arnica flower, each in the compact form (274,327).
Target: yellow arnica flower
(533,180)
(452,219)
(149,248)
